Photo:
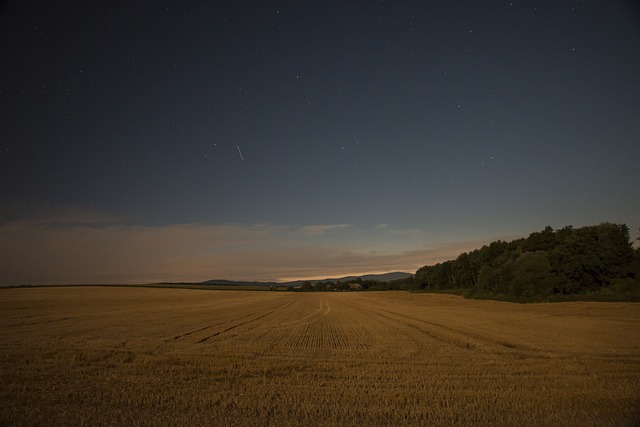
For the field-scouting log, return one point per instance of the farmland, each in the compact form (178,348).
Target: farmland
(141,356)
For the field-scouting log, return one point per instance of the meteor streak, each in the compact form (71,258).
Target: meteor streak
(239,152)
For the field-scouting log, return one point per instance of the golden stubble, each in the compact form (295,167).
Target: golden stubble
(136,356)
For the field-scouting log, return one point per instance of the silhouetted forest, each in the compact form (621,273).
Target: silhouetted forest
(597,262)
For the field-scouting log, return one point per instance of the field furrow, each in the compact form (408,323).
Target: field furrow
(465,339)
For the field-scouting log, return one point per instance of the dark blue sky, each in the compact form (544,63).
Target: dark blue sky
(375,135)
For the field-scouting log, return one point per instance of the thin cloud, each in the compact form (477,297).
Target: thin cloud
(316,230)
(76,249)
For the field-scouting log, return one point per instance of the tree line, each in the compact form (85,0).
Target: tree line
(596,260)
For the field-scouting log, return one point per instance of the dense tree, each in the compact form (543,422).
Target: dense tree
(541,241)
(591,257)
(464,271)
(566,261)
(530,275)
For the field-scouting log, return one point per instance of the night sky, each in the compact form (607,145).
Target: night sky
(274,140)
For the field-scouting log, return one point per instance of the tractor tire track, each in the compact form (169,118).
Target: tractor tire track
(205,339)
(464,339)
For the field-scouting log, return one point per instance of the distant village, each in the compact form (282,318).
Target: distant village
(321,287)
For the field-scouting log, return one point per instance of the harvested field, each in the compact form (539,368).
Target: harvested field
(139,356)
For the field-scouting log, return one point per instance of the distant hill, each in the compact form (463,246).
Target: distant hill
(386,277)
